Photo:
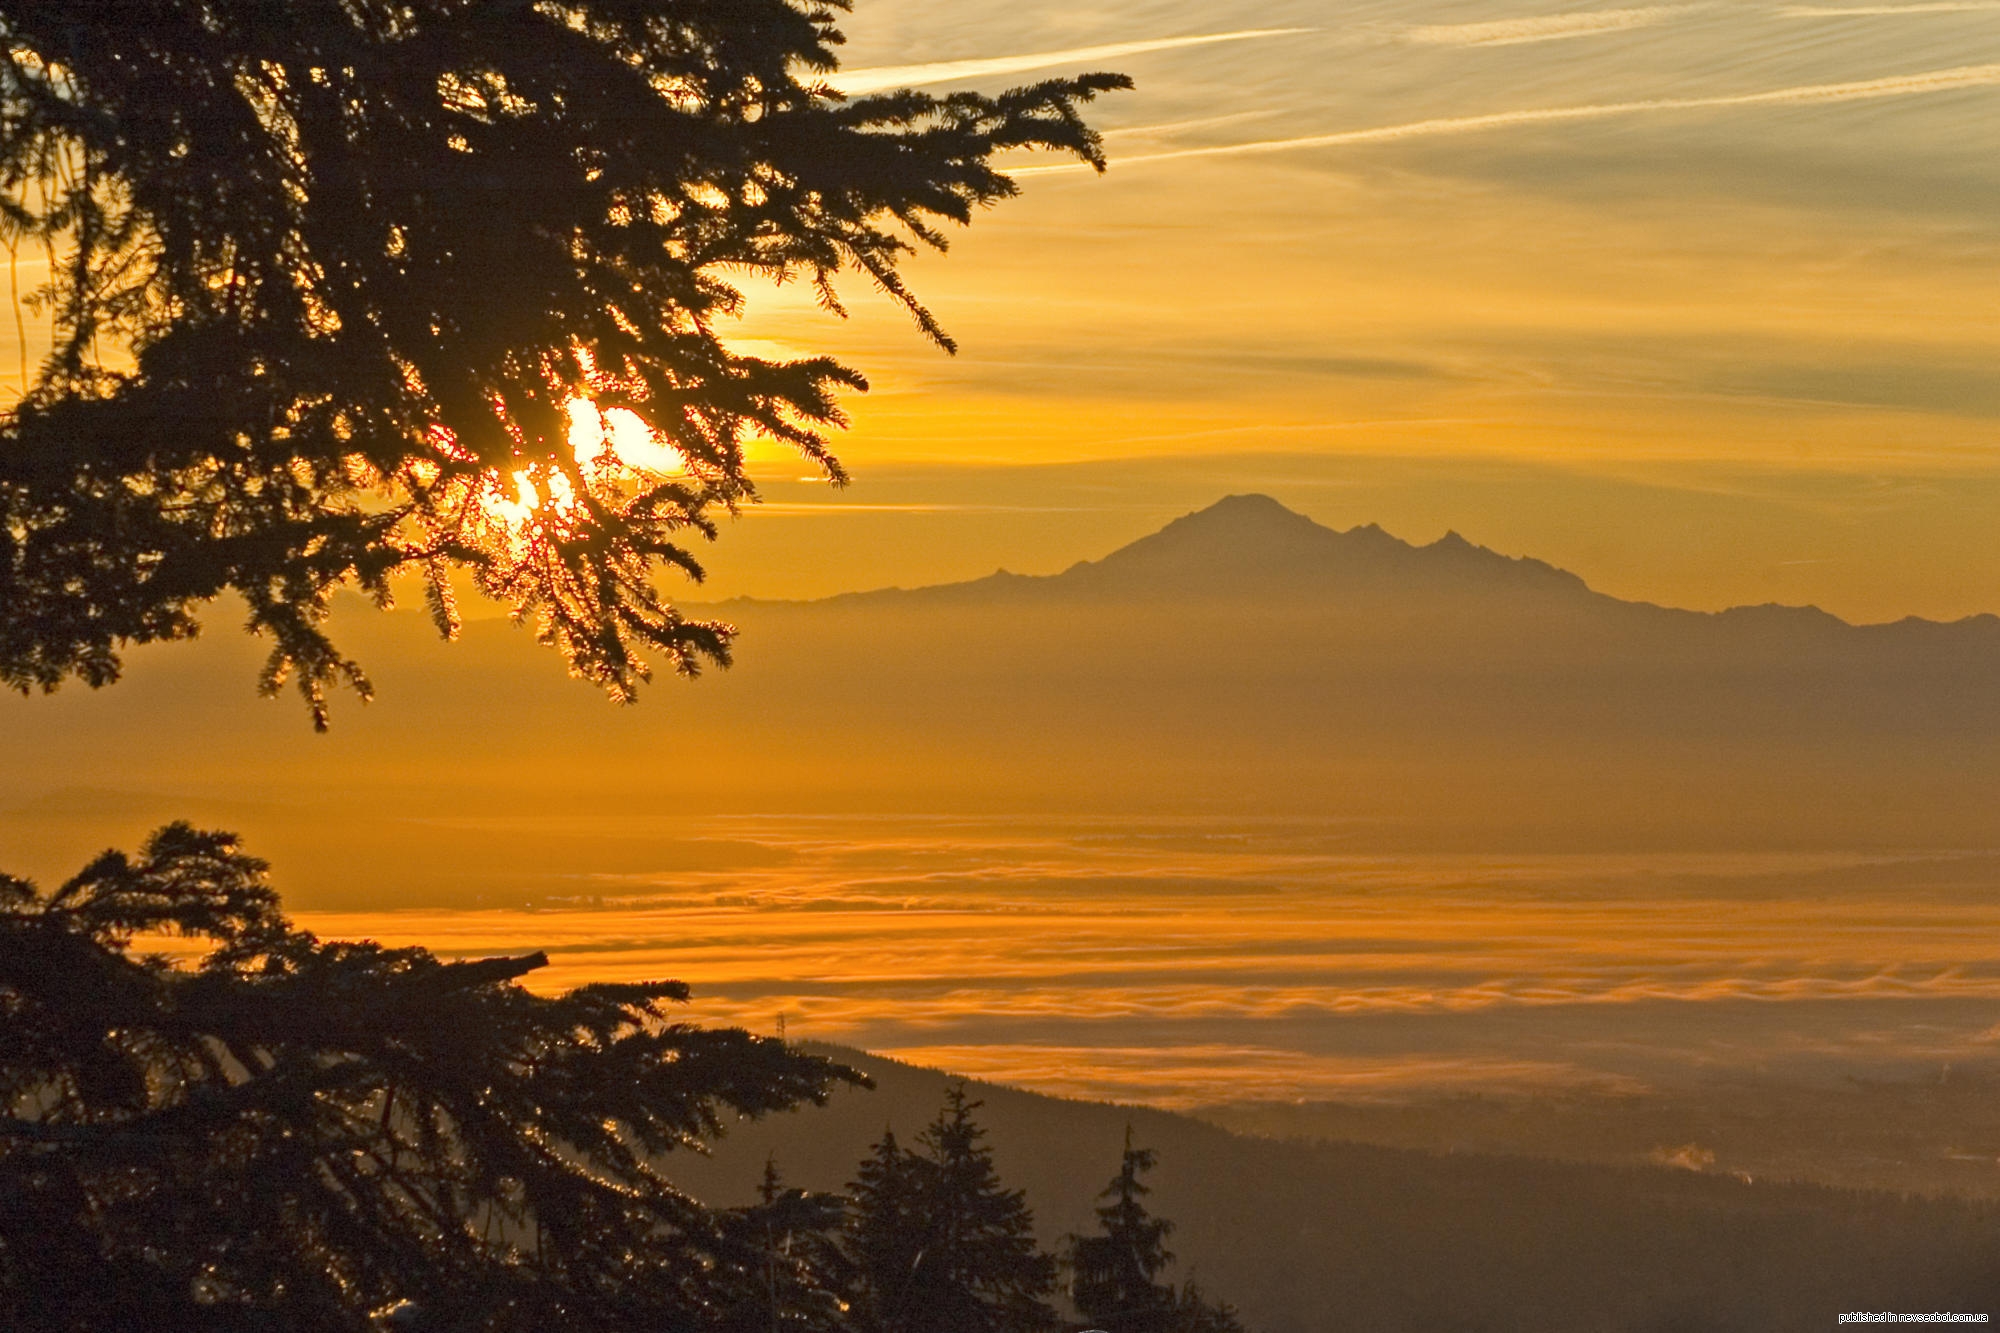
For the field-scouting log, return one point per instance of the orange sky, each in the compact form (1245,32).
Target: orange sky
(1661,267)
(1694,299)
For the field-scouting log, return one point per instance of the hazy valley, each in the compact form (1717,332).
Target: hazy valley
(1324,834)
(1328,1236)
(1242,661)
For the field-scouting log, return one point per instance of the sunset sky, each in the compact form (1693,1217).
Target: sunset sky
(1699,301)
(1695,299)
(1405,661)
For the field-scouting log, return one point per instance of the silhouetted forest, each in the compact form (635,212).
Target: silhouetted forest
(1305,1237)
(274,1131)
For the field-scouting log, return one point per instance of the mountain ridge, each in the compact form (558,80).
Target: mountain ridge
(1508,705)
(1250,547)
(1307,1236)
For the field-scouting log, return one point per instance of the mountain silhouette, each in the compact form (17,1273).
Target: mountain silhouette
(1252,550)
(1252,545)
(1242,658)
(1245,655)
(1321,599)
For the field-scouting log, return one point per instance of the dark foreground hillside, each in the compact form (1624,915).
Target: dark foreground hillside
(1345,1236)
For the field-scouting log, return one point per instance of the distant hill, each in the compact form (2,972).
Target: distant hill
(1251,551)
(1241,660)
(1245,657)
(1252,547)
(1318,1238)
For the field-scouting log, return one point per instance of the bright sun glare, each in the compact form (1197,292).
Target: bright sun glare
(605,443)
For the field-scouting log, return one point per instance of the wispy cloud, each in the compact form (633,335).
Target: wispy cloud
(882,77)
(1862,11)
(1542,27)
(1185,957)
(1210,1073)
(821,509)
(1901,85)
(1167,128)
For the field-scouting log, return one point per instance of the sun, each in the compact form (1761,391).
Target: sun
(620,433)
(611,446)
(586,513)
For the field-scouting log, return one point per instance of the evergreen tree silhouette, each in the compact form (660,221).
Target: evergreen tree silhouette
(338,289)
(1195,1313)
(804,1272)
(941,1245)
(292,1133)
(1113,1275)
(887,1234)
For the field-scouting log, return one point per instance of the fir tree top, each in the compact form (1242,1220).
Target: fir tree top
(345,288)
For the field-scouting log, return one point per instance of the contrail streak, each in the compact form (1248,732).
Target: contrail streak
(1543,28)
(1901,85)
(1857,11)
(854,82)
